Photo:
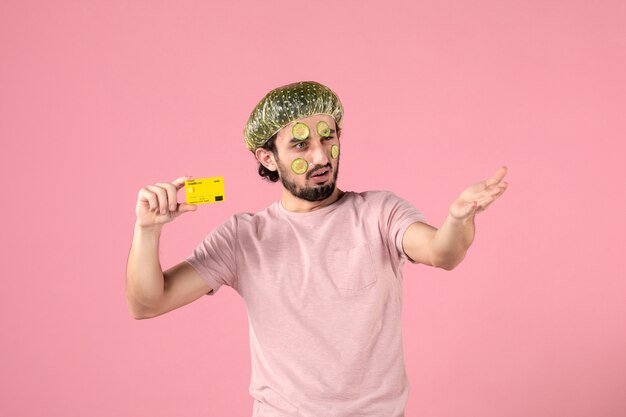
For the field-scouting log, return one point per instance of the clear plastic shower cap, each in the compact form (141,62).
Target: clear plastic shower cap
(286,104)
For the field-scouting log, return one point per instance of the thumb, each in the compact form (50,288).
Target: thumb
(184,208)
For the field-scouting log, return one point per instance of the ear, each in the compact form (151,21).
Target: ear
(266,158)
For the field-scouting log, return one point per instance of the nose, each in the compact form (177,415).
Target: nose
(319,154)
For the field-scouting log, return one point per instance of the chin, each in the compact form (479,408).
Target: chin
(318,192)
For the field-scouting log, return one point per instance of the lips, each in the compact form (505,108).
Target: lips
(321,176)
(320,172)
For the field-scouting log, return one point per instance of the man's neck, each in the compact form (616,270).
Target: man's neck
(298,205)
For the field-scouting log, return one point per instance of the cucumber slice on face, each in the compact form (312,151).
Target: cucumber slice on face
(323,129)
(300,131)
(299,166)
(334,151)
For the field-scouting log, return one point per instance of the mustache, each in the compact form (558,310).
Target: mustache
(318,168)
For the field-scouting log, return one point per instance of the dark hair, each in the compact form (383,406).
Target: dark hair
(268,175)
(270,145)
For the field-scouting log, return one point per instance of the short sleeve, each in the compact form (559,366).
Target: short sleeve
(398,214)
(215,257)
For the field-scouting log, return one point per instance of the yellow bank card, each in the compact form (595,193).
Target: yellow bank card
(204,190)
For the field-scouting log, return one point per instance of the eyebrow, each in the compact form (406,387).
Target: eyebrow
(294,140)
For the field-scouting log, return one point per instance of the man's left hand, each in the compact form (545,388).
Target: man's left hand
(479,196)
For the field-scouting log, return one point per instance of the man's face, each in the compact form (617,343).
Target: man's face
(317,151)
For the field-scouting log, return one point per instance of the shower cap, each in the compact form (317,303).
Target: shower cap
(285,104)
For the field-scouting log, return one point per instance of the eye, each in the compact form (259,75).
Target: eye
(300,145)
(329,138)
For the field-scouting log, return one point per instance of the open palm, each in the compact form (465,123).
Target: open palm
(479,196)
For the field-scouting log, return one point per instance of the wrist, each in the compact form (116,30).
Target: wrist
(464,221)
(148,229)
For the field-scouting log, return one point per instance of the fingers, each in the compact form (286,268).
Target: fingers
(501,189)
(162,197)
(494,189)
(497,190)
(183,208)
(157,204)
(491,196)
(145,195)
(180,182)
(500,173)
(172,200)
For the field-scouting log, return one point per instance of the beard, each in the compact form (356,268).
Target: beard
(316,193)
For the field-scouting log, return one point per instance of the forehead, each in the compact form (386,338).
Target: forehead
(284,134)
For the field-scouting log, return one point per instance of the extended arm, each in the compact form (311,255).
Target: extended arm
(442,248)
(446,247)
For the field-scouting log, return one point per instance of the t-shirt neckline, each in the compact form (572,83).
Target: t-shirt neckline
(323,210)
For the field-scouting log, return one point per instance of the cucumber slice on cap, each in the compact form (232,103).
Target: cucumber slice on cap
(334,151)
(300,131)
(323,129)
(299,166)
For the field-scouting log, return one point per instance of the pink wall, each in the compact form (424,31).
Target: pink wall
(98,99)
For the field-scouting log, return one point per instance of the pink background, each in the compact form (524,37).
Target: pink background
(98,99)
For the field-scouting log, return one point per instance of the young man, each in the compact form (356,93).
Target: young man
(320,270)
